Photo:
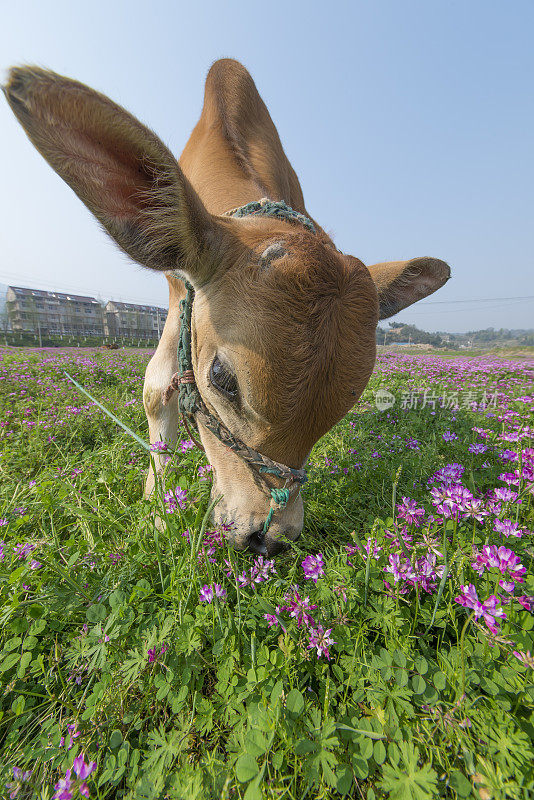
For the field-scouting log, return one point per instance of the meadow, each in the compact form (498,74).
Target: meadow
(388,654)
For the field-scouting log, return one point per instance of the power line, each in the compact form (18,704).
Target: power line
(497,307)
(480,300)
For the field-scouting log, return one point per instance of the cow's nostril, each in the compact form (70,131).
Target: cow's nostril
(256,543)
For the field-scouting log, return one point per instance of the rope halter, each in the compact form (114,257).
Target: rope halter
(192,406)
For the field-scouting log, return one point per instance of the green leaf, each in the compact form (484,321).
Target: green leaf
(343,779)
(460,784)
(96,613)
(421,665)
(401,677)
(359,731)
(12,643)
(246,768)
(25,661)
(17,707)
(360,767)
(439,680)
(409,781)
(379,752)
(256,742)
(115,740)
(418,684)
(9,661)
(295,702)
(304,746)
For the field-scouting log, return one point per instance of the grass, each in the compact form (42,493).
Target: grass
(367,679)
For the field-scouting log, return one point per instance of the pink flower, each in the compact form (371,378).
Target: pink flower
(526,658)
(488,609)
(410,512)
(63,788)
(273,619)
(313,567)
(320,640)
(507,528)
(207,593)
(298,609)
(527,602)
(82,769)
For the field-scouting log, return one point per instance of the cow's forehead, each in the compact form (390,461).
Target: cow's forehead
(300,335)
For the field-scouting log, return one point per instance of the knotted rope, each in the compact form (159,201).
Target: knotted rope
(192,406)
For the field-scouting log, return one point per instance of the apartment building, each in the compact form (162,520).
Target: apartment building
(132,321)
(53,313)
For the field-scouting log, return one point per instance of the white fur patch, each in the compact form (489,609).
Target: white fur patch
(271,253)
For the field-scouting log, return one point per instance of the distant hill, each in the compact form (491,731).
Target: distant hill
(401,334)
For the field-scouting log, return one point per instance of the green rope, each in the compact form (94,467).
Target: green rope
(272,208)
(189,398)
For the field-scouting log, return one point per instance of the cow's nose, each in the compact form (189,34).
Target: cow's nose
(256,543)
(266,545)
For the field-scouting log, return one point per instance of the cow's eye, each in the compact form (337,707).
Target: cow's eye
(223,379)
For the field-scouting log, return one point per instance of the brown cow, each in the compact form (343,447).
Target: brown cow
(283,324)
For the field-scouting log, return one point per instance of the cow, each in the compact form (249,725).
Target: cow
(282,323)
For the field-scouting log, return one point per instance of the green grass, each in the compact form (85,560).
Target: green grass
(172,697)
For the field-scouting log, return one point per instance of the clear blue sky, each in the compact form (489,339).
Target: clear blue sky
(410,125)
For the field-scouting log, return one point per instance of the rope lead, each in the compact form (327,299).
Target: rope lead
(190,400)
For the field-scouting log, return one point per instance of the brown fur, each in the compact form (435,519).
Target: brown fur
(297,328)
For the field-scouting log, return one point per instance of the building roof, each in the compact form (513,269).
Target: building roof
(134,307)
(25,292)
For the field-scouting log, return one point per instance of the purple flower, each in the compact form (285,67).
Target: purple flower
(504,494)
(273,619)
(475,509)
(508,455)
(409,511)
(3,521)
(526,658)
(448,474)
(320,640)
(507,528)
(207,593)
(159,447)
(527,602)
(63,787)
(449,436)
(298,608)
(477,449)
(175,499)
(488,609)
(19,777)
(23,550)
(313,567)
(82,769)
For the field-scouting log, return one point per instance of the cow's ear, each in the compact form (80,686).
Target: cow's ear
(121,170)
(401,283)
